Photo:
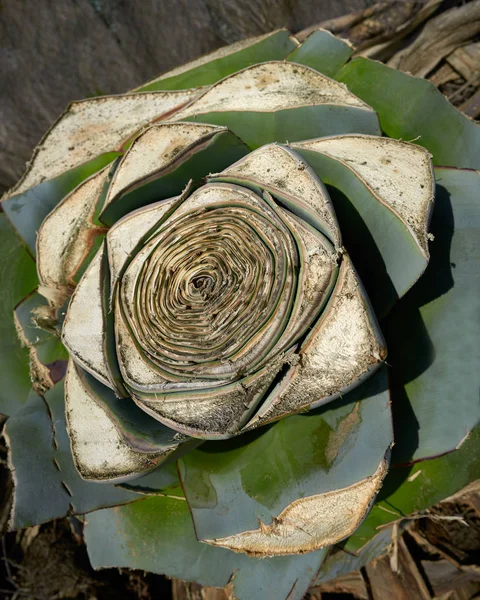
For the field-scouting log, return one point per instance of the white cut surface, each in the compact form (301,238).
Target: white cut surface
(215,55)
(269,87)
(156,149)
(127,233)
(99,450)
(310,523)
(284,172)
(68,232)
(319,267)
(342,348)
(91,127)
(84,329)
(398,173)
(210,413)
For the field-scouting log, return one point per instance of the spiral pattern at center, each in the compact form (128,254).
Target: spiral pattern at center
(210,294)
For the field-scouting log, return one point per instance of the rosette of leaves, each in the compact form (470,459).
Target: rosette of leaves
(205,276)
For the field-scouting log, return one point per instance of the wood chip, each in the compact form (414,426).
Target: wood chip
(443,75)
(466,60)
(438,39)
(404,585)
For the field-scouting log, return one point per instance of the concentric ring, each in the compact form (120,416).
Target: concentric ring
(210,293)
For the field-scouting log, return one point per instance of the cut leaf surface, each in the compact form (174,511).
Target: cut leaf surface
(85,327)
(382,208)
(18,278)
(111,438)
(68,233)
(306,524)
(279,102)
(343,348)
(433,334)
(156,535)
(163,159)
(92,127)
(411,108)
(210,68)
(293,183)
(232,486)
(27,211)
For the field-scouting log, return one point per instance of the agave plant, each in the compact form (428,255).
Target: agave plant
(206,275)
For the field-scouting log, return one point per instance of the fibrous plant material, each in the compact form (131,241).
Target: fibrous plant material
(224,258)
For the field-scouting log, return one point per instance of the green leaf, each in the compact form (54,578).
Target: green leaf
(231,486)
(47,485)
(411,108)
(18,277)
(259,128)
(433,334)
(212,67)
(408,490)
(26,211)
(156,535)
(322,51)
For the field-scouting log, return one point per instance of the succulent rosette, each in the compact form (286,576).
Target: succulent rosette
(222,259)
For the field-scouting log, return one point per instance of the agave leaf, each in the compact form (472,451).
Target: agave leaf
(291,182)
(339,562)
(112,440)
(293,477)
(163,159)
(156,535)
(162,481)
(433,335)
(36,324)
(384,214)
(18,278)
(227,60)
(407,491)
(96,127)
(69,233)
(47,485)
(93,127)
(84,330)
(344,347)
(411,108)
(322,51)
(254,339)
(28,209)
(279,102)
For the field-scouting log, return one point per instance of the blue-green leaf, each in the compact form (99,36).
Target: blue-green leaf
(232,486)
(412,109)
(433,334)
(47,485)
(18,277)
(225,61)
(323,52)
(156,535)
